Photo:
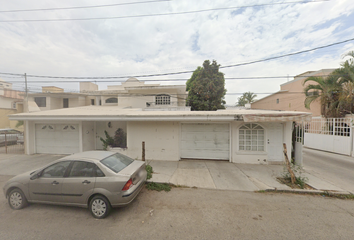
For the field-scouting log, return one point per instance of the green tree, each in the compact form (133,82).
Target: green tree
(247,97)
(346,71)
(327,90)
(206,88)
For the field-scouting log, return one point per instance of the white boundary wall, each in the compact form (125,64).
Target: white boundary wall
(332,135)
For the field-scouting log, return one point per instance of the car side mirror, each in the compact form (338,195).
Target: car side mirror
(35,176)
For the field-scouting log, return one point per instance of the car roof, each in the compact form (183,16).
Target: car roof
(89,155)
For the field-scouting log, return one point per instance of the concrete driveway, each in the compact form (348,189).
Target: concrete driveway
(206,174)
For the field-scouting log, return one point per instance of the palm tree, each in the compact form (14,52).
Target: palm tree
(347,68)
(327,90)
(247,97)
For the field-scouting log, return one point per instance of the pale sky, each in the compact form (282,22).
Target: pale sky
(172,43)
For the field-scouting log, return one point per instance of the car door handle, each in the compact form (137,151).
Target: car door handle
(86,182)
(55,183)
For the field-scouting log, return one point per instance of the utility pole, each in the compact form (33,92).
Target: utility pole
(26,97)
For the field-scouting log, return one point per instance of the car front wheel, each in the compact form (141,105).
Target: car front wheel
(100,207)
(17,199)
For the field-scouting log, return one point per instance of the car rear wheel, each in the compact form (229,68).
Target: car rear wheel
(17,199)
(100,207)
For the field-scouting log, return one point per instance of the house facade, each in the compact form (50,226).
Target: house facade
(291,96)
(10,103)
(242,136)
(130,94)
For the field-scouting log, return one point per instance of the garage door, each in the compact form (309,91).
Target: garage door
(205,141)
(57,138)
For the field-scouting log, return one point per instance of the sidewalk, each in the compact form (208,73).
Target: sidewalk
(227,176)
(190,173)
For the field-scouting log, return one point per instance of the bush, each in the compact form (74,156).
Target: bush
(149,171)
(119,139)
(158,186)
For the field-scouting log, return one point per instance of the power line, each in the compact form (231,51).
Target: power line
(160,14)
(183,72)
(81,7)
(169,80)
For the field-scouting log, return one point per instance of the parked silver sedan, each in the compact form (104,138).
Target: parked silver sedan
(98,180)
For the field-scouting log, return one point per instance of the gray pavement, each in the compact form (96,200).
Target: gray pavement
(229,176)
(205,174)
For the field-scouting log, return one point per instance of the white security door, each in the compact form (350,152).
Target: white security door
(205,141)
(57,138)
(275,142)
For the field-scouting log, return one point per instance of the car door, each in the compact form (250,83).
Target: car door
(48,186)
(79,183)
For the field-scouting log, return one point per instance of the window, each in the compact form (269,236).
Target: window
(92,101)
(82,169)
(65,102)
(112,100)
(41,101)
(117,162)
(56,170)
(162,99)
(277,100)
(251,137)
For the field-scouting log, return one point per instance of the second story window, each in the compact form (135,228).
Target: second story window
(162,99)
(41,101)
(112,100)
(65,102)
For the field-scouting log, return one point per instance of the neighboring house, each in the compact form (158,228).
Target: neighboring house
(291,96)
(130,94)
(240,136)
(10,103)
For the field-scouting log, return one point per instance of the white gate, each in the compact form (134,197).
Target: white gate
(331,134)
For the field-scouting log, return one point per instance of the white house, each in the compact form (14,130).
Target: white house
(10,100)
(131,93)
(242,136)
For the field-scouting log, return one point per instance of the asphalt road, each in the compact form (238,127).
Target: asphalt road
(188,213)
(334,168)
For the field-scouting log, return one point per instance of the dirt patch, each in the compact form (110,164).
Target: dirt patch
(287,182)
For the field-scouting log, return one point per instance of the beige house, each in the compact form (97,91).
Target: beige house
(130,94)
(10,103)
(240,136)
(291,96)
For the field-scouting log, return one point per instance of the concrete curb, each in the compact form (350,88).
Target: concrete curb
(303,191)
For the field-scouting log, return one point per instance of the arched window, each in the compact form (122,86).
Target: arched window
(112,100)
(162,99)
(251,137)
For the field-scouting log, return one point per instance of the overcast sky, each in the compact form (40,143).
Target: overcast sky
(172,43)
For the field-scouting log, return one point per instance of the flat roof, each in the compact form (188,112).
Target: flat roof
(114,113)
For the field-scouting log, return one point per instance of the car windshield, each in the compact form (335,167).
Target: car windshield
(117,162)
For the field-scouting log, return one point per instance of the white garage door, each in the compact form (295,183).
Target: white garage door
(205,141)
(57,138)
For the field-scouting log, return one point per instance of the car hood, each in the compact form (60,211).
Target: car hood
(22,178)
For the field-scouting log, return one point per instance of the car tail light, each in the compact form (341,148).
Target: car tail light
(128,185)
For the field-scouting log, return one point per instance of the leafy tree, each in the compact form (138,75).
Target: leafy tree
(346,72)
(247,97)
(206,88)
(335,92)
(327,91)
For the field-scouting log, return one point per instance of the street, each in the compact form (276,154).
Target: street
(188,213)
(192,213)
(334,168)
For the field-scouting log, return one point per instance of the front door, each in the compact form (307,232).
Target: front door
(275,142)
(100,128)
(48,187)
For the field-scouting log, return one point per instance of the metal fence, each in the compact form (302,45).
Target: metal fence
(329,126)
(11,142)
